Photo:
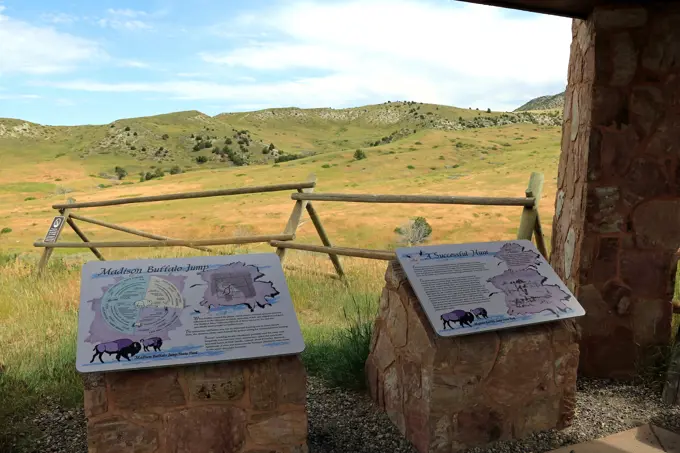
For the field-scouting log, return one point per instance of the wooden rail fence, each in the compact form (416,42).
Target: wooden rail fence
(66,214)
(530,225)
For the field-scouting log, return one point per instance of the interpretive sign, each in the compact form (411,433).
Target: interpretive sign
(164,312)
(55,229)
(469,288)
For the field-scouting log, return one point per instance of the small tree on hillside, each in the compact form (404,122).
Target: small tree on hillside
(175,170)
(488,110)
(359,154)
(120,172)
(414,232)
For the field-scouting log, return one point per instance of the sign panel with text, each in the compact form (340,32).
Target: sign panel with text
(55,229)
(470,288)
(165,312)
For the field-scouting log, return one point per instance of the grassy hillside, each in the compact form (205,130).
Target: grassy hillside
(191,140)
(410,149)
(554,102)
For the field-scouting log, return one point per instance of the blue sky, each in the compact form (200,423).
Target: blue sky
(91,62)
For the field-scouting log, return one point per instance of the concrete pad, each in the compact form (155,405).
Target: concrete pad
(643,439)
(670,441)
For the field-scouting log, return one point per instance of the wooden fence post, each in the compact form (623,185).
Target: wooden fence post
(295,216)
(529,222)
(82,236)
(324,238)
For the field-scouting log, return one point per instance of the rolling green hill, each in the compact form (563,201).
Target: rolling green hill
(191,140)
(544,103)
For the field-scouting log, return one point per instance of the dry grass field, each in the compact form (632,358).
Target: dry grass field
(38,314)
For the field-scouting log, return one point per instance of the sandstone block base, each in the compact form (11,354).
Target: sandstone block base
(249,406)
(449,394)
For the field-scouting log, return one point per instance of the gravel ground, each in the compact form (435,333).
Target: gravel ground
(347,422)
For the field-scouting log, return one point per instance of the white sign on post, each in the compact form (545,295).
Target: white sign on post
(55,229)
(470,288)
(165,312)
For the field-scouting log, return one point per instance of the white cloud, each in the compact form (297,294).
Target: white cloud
(455,52)
(126,12)
(41,50)
(124,19)
(134,64)
(123,24)
(59,18)
(19,96)
(342,54)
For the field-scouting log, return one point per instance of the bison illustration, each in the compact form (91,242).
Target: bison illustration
(460,316)
(480,312)
(153,342)
(122,348)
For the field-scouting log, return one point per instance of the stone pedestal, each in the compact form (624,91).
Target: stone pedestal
(448,394)
(250,406)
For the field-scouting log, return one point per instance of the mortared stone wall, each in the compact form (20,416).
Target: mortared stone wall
(250,406)
(449,394)
(617,213)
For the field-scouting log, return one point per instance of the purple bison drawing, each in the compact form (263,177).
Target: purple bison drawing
(153,342)
(122,348)
(479,312)
(460,316)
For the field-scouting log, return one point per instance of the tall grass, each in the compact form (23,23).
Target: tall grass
(338,355)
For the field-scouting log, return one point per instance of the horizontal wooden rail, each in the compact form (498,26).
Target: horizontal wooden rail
(423,199)
(171,242)
(141,233)
(188,195)
(344,251)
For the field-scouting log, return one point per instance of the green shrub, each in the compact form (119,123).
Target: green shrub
(201,159)
(175,170)
(164,136)
(415,231)
(325,166)
(265,150)
(127,128)
(228,141)
(441,157)
(143,148)
(133,147)
(197,147)
(134,133)
(359,154)
(418,143)
(120,172)
(29,198)
(158,173)
(6,230)
(287,157)
(411,167)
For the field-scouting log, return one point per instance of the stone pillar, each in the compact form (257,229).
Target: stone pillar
(250,406)
(617,212)
(450,394)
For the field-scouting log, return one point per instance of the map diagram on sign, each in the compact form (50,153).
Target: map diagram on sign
(177,311)
(237,284)
(525,289)
(485,286)
(144,305)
